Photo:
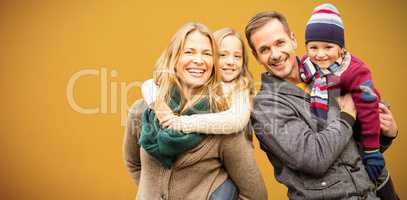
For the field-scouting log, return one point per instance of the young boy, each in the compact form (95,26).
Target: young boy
(329,66)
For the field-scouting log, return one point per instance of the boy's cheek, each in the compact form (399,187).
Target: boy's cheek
(323,65)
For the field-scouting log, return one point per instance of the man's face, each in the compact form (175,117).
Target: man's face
(275,50)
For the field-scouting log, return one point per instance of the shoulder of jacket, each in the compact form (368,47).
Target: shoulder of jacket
(138,107)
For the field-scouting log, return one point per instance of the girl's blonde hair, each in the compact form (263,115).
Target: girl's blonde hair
(165,70)
(245,80)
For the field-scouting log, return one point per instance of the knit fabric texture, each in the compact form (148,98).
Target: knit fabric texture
(166,144)
(311,73)
(325,25)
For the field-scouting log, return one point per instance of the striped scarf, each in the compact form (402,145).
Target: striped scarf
(311,73)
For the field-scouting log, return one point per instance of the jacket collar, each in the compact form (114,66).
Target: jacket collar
(275,84)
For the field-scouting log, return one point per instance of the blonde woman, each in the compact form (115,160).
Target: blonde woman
(167,164)
(237,86)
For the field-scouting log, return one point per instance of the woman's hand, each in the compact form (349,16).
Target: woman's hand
(164,114)
(387,122)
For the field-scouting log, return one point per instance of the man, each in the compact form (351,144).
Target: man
(313,158)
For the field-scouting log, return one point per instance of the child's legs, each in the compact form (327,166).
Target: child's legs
(385,187)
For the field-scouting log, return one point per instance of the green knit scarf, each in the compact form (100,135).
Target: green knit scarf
(166,144)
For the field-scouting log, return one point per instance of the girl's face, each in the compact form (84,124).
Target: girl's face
(195,63)
(323,53)
(230,58)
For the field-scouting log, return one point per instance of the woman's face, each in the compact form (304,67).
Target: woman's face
(195,63)
(230,58)
(324,54)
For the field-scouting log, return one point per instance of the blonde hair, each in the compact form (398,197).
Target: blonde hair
(165,73)
(245,80)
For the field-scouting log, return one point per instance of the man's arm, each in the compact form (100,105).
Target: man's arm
(131,147)
(281,129)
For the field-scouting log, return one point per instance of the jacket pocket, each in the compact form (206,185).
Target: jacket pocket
(333,185)
(319,184)
(330,179)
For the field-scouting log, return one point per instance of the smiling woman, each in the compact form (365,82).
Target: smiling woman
(218,167)
(196,62)
(188,64)
(238,87)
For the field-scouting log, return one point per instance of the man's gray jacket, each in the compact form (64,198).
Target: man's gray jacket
(313,158)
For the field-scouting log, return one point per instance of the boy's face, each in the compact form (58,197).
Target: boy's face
(323,53)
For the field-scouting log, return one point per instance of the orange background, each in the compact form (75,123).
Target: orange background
(50,151)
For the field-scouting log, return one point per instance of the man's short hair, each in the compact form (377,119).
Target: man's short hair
(259,20)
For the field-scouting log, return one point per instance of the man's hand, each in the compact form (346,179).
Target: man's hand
(387,122)
(347,105)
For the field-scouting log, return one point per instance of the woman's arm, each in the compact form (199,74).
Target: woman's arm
(238,160)
(131,147)
(230,121)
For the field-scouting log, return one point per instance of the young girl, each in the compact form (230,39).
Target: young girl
(237,86)
(328,66)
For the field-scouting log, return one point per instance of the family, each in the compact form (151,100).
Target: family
(318,117)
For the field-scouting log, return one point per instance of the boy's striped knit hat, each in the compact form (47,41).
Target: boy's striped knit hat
(325,25)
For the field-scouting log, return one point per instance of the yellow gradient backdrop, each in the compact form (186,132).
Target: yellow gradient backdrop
(51,149)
